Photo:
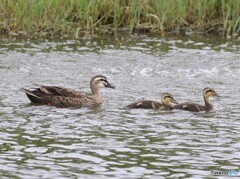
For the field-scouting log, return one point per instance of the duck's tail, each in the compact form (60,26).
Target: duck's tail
(35,96)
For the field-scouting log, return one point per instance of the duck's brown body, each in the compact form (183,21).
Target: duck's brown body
(43,94)
(167,102)
(66,97)
(58,100)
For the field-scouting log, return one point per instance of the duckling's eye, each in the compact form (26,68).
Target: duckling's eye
(210,92)
(168,97)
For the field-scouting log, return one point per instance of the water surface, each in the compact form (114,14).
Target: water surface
(110,141)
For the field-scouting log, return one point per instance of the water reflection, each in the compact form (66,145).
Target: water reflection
(111,141)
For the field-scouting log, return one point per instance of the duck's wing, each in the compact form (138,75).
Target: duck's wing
(189,107)
(145,104)
(60,91)
(70,92)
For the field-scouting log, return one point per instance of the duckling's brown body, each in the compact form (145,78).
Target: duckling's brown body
(167,101)
(66,97)
(207,93)
(146,104)
(193,107)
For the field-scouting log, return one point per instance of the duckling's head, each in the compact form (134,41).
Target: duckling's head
(100,81)
(209,92)
(167,99)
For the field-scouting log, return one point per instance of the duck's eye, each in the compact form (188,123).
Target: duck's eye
(103,80)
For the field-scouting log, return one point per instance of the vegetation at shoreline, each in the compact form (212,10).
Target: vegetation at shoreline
(76,17)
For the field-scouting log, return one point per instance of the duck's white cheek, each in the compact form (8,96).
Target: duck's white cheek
(102,85)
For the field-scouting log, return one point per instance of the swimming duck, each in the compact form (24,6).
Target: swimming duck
(207,94)
(66,97)
(167,103)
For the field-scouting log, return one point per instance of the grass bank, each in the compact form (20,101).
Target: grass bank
(76,17)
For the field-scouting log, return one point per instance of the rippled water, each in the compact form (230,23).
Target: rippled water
(110,141)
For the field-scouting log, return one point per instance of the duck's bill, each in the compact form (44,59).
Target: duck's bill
(110,86)
(217,95)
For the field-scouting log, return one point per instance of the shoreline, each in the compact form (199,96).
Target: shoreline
(119,32)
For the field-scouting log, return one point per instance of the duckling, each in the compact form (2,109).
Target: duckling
(66,97)
(207,94)
(167,103)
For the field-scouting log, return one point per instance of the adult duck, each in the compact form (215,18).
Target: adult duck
(67,97)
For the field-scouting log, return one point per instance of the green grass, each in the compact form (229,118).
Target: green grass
(76,17)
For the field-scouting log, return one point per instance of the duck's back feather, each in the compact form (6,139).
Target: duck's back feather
(60,91)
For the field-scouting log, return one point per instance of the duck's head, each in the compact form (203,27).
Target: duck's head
(209,92)
(100,81)
(167,99)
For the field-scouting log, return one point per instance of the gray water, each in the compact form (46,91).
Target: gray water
(110,141)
